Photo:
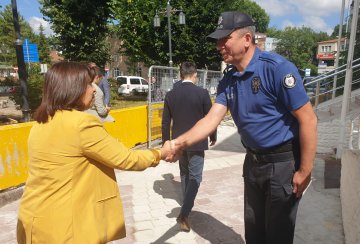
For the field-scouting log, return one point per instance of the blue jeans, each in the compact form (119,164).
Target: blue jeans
(191,164)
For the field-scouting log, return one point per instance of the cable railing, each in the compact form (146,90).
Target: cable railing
(320,88)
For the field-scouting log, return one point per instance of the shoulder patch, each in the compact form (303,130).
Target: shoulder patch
(289,81)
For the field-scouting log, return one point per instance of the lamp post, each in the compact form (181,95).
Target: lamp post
(169,11)
(21,63)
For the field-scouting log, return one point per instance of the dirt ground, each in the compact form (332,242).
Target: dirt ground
(9,112)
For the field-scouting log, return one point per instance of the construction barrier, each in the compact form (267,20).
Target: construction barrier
(161,80)
(130,127)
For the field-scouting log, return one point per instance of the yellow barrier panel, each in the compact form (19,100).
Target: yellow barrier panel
(13,154)
(156,121)
(130,127)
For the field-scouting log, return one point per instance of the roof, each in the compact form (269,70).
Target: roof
(331,41)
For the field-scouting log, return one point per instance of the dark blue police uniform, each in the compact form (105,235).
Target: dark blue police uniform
(260,100)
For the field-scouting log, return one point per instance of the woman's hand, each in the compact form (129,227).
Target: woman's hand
(167,152)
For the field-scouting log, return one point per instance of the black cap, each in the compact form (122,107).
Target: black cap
(228,22)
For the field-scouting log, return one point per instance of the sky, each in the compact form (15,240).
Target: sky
(319,15)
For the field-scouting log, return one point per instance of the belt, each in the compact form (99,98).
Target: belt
(284,147)
(272,158)
(279,153)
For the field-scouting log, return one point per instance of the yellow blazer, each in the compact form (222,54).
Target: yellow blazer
(71,194)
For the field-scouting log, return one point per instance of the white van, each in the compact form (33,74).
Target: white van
(132,85)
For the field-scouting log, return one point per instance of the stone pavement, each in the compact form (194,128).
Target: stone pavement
(152,201)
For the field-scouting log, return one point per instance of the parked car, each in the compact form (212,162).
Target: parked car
(132,85)
(310,86)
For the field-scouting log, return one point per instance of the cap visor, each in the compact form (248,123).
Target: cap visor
(219,34)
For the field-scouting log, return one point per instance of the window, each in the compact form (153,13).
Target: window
(121,80)
(134,81)
(144,82)
(117,72)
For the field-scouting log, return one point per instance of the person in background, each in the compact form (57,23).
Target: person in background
(99,108)
(104,86)
(71,194)
(277,124)
(184,105)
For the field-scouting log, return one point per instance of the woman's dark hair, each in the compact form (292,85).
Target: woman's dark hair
(95,70)
(65,85)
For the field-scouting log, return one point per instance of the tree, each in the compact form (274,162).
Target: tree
(255,11)
(43,46)
(273,32)
(299,45)
(142,42)
(7,34)
(80,27)
(335,32)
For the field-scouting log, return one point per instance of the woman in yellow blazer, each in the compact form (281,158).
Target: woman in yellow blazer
(71,195)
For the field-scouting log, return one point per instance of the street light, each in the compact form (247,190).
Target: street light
(21,63)
(169,11)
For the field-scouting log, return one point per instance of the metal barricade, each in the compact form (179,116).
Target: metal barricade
(161,80)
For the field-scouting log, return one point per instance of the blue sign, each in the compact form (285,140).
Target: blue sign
(31,54)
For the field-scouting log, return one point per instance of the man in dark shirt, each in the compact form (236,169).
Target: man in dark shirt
(184,106)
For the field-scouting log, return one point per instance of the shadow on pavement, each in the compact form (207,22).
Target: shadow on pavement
(168,188)
(204,225)
(212,229)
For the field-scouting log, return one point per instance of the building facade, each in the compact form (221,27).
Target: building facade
(326,54)
(120,64)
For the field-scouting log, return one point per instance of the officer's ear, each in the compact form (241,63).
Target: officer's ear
(248,39)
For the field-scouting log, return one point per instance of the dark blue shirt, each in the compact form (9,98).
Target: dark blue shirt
(261,99)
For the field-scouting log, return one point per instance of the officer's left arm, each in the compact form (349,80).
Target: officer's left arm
(308,141)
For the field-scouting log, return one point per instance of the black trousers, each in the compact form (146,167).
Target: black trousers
(270,206)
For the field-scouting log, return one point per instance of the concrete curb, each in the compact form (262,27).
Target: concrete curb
(11,194)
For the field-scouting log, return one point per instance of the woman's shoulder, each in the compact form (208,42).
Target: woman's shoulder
(76,116)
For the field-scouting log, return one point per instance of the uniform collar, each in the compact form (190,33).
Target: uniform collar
(251,67)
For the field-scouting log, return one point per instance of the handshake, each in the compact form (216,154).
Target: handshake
(171,151)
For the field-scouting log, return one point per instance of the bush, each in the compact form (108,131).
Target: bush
(34,85)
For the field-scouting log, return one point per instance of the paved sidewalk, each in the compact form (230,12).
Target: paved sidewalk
(152,201)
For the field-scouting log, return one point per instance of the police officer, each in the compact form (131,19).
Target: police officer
(275,119)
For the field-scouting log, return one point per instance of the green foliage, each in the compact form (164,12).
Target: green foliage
(43,47)
(7,35)
(335,32)
(273,32)
(113,88)
(299,45)
(34,85)
(80,27)
(142,42)
(249,7)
